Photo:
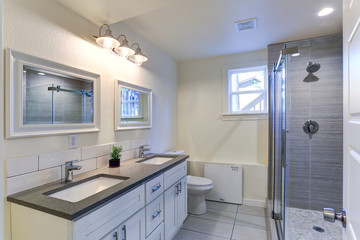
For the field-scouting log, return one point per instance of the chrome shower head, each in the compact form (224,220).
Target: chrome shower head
(312,67)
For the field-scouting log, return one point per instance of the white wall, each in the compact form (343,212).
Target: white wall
(206,137)
(47,30)
(2,174)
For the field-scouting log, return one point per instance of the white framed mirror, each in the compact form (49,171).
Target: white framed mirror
(48,98)
(133,106)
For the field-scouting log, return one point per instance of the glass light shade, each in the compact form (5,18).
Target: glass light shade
(124,52)
(138,58)
(107,42)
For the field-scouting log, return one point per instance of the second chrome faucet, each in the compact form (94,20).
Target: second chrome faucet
(142,149)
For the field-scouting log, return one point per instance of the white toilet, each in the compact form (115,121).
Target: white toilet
(197,188)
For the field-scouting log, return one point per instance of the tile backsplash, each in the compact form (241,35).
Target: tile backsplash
(33,171)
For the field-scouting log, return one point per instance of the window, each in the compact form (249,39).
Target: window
(132,106)
(247,90)
(129,104)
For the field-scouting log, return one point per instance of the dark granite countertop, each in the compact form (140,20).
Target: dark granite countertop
(138,173)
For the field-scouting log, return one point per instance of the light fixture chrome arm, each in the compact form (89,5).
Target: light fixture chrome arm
(107,40)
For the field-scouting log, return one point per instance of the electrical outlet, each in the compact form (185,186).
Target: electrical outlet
(73,141)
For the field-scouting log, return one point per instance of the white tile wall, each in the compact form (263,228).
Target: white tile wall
(86,165)
(31,180)
(125,144)
(33,171)
(49,160)
(22,165)
(95,151)
(126,155)
(135,143)
(102,161)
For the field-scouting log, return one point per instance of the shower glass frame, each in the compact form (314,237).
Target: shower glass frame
(277,126)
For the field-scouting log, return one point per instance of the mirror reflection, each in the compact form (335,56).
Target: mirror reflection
(133,106)
(53,98)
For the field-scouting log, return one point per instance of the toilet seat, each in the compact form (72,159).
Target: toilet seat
(198,181)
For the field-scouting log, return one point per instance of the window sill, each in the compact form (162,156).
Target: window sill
(244,117)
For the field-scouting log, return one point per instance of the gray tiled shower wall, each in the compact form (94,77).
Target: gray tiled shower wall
(39,103)
(314,177)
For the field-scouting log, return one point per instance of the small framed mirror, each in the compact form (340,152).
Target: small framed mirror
(133,106)
(45,98)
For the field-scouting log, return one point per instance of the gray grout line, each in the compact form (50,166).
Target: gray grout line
(204,233)
(234,223)
(237,210)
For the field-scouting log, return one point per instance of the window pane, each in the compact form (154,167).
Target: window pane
(248,102)
(245,81)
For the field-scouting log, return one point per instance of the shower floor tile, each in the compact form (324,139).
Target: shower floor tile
(301,222)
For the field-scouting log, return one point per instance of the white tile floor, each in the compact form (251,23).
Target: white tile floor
(225,221)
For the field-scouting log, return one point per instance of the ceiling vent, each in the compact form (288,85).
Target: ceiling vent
(245,24)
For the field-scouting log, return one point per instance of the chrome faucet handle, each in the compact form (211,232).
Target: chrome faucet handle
(145,146)
(70,163)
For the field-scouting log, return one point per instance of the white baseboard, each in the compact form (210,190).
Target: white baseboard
(254,203)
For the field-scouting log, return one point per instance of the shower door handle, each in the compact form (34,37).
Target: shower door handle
(330,215)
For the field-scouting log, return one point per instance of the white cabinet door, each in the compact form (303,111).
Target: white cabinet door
(351,172)
(170,212)
(182,202)
(134,227)
(114,235)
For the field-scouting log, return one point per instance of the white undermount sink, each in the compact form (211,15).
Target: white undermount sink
(86,189)
(157,160)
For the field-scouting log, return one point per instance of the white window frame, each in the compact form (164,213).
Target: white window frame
(227,71)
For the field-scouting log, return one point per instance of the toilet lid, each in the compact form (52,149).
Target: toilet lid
(193,180)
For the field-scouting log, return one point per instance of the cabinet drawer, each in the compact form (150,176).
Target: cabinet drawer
(157,234)
(174,174)
(101,221)
(154,214)
(154,188)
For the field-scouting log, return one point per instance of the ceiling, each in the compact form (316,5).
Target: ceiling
(193,29)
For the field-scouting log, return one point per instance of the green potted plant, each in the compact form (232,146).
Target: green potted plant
(115,156)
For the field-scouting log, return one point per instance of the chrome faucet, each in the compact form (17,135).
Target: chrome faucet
(142,149)
(69,167)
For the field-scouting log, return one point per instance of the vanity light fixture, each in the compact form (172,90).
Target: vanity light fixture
(124,50)
(138,58)
(325,11)
(107,41)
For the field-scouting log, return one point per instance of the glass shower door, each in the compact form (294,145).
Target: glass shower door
(279,133)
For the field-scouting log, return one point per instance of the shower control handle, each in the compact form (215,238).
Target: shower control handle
(330,215)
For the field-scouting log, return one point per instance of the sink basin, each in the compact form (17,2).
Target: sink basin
(87,188)
(156,160)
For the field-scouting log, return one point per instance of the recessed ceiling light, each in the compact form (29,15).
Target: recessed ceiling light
(325,11)
(295,54)
(41,73)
